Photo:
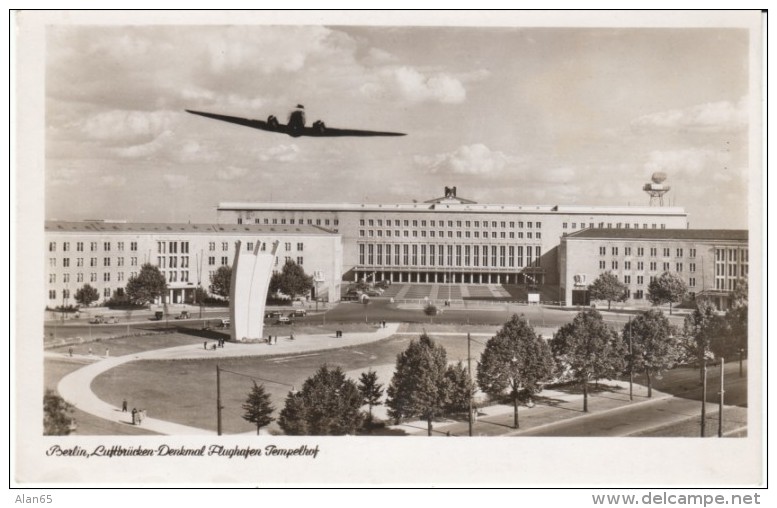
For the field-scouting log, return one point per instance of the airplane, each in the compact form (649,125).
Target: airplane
(295,126)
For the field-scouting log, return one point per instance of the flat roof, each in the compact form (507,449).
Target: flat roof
(172,228)
(661,234)
(450,205)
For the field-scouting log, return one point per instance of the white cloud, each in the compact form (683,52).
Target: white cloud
(475,159)
(411,84)
(280,153)
(112,181)
(174,181)
(688,161)
(122,125)
(145,150)
(231,173)
(712,116)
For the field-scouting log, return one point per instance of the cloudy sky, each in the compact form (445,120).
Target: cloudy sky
(508,115)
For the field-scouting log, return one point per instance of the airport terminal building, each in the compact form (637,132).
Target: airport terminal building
(710,261)
(451,239)
(106,254)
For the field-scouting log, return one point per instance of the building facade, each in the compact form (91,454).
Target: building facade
(106,254)
(711,262)
(450,239)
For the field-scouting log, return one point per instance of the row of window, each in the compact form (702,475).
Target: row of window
(301,221)
(441,234)
(92,262)
(666,251)
(448,255)
(93,246)
(441,223)
(93,277)
(653,266)
(618,225)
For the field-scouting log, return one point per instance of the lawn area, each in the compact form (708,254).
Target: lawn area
(431,328)
(120,346)
(88,425)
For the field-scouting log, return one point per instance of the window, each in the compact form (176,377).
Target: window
(107,277)
(627,279)
(299,246)
(106,261)
(640,280)
(287,246)
(93,246)
(224,246)
(614,265)
(52,262)
(627,251)
(361,223)
(653,266)
(133,246)
(691,267)
(211,260)
(224,261)
(80,246)
(679,253)
(640,265)
(627,265)
(299,260)
(678,267)
(692,253)
(107,246)
(692,282)
(65,246)
(639,294)
(653,252)
(640,251)
(79,277)
(602,265)
(120,246)
(92,277)
(52,294)
(615,251)
(79,261)
(52,246)
(133,261)
(528,224)
(361,232)
(120,262)
(602,251)
(52,278)
(93,262)
(666,266)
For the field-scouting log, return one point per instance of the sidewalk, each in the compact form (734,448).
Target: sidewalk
(552,407)
(76,386)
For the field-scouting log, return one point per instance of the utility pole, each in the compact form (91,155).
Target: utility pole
(218,399)
(469,373)
(722,392)
(703,396)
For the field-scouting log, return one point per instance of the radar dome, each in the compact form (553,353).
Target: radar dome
(658,177)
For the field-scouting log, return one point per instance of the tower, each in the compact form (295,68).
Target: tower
(656,188)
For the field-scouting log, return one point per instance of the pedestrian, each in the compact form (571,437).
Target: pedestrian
(90,351)
(205,345)
(291,336)
(134,416)
(107,352)
(70,351)
(124,406)
(139,416)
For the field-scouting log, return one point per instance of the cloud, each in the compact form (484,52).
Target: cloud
(712,116)
(175,181)
(280,153)
(412,85)
(688,161)
(122,125)
(475,159)
(112,181)
(231,173)
(145,150)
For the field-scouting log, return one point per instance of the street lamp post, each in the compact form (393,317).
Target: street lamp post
(631,364)
(469,373)
(703,396)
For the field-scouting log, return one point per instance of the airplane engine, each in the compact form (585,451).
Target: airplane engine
(319,126)
(272,122)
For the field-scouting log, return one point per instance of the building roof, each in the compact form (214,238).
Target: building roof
(454,205)
(172,228)
(661,234)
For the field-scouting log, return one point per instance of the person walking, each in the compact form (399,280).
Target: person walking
(205,345)
(70,351)
(124,406)
(134,416)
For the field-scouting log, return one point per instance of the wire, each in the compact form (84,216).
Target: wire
(255,378)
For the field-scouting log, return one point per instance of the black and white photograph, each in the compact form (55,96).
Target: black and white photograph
(413,248)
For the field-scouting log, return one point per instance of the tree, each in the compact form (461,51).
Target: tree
(699,328)
(607,287)
(668,288)
(86,295)
(419,387)
(654,347)
(57,419)
(293,280)
(515,359)
(200,295)
(370,390)
(329,404)
(221,281)
(258,409)
(588,349)
(148,285)
(460,388)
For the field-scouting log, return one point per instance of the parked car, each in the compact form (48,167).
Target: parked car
(159,315)
(272,314)
(97,320)
(102,320)
(374,292)
(283,320)
(183,315)
(298,313)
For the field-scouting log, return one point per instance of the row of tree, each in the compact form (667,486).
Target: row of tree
(149,284)
(515,365)
(668,288)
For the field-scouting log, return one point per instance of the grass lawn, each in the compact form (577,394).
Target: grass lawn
(121,346)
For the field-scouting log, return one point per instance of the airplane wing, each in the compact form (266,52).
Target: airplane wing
(247,122)
(330,132)
(284,129)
